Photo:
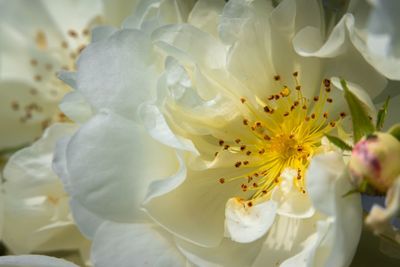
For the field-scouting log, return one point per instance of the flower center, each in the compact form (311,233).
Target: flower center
(46,62)
(287,130)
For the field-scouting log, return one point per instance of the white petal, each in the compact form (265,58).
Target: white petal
(205,15)
(190,44)
(75,107)
(149,15)
(285,239)
(126,245)
(32,165)
(307,257)
(111,161)
(228,253)
(194,211)
(34,261)
(246,224)
(158,128)
(68,77)
(161,187)
(322,174)
(102,32)
(86,221)
(293,203)
(118,73)
(308,41)
(327,182)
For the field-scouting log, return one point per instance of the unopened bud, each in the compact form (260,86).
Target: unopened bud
(376,159)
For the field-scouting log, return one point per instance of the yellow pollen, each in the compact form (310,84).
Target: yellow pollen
(285,138)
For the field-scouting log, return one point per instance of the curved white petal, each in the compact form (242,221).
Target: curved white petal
(86,221)
(244,223)
(228,253)
(76,107)
(126,245)
(118,73)
(158,128)
(190,44)
(109,189)
(293,203)
(34,261)
(285,239)
(194,211)
(35,204)
(308,42)
(205,15)
(328,182)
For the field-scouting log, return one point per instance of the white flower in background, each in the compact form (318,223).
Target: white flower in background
(38,39)
(220,117)
(36,211)
(376,34)
(371,26)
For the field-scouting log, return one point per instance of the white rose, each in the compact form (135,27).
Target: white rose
(164,103)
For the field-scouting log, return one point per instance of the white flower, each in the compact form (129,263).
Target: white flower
(377,35)
(37,40)
(36,211)
(220,118)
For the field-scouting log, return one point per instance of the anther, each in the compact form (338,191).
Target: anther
(327,82)
(332,123)
(342,114)
(242,147)
(248,153)
(38,78)
(295,74)
(221,142)
(329,100)
(298,87)
(73,33)
(245,122)
(237,141)
(14,105)
(242,100)
(325,115)
(286,114)
(266,137)
(226,147)
(246,162)
(221,180)
(277,77)
(313,116)
(34,62)
(267,109)
(316,98)
(237,164)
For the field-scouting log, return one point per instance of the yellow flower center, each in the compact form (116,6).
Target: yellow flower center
(288,133)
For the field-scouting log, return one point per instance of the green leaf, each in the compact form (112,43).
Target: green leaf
(395,131)
(350,192)
(382,113)
(339,142)
(362,124)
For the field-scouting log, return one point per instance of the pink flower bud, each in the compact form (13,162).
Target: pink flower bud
(376,159)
